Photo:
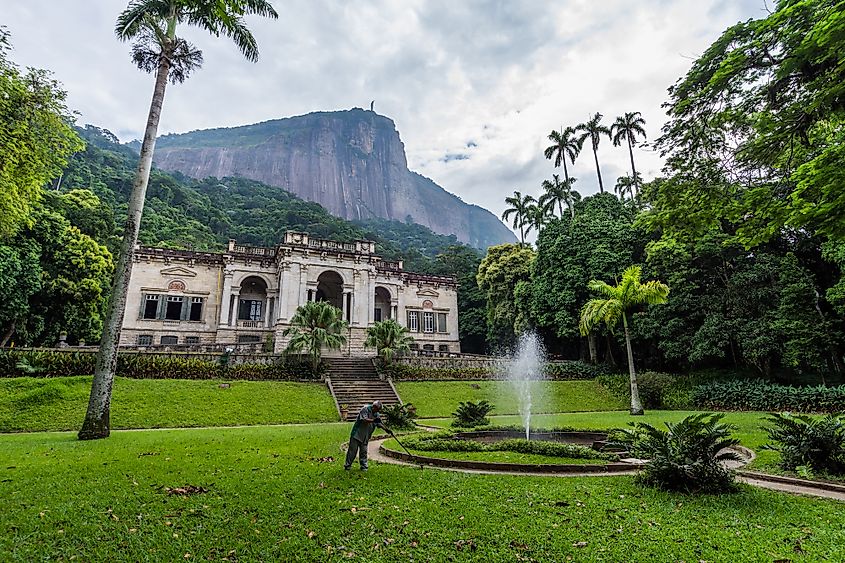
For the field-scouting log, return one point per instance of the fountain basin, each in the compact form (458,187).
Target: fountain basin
(590,439)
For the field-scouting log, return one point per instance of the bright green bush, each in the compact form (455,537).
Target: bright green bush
(657,390)
(447,442)
(817,444)
(51,363)
(689,456)
(470,414)
(555,371)
(761,395)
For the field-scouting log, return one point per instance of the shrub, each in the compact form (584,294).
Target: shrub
(470,414)
(399,417)
(405,372)
(761,395)
(571,370)
(687,457)
(447,442)
(807,442)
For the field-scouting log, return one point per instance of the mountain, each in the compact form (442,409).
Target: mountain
(182,212)
(351,162)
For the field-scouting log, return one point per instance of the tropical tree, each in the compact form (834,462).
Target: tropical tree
(594,130)
(539,215)
(520,209)
(152,24)
(559,193)
(566,144)
(388,338)
(627,128)
(615,304)
(314,326)
(627,185)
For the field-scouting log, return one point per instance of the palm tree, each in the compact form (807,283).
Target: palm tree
(566,144)
(627,184)
(629,127)
(388,338)
(594,130)
(315,325)
(157,49)
(519,208)
(617,301)
(538,215)
(557,192)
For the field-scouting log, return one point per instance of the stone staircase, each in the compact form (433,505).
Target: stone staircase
(354,382)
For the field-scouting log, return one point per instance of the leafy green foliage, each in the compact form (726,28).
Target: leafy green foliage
(389,338)
(49,363)
(657,390)
(470,414)
(499,276)
(399,416)
(689,456)
(448,442)
(761,395)
(35,139)
(802,441)
(315,325)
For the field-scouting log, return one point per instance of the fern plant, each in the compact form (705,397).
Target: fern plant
(689,456)
(807,442)
(470,414)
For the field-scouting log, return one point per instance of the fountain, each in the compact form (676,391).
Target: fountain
(523,372)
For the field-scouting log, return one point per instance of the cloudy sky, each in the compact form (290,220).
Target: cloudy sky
(474,86)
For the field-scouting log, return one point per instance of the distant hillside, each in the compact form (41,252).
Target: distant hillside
(203,215)
(351,162)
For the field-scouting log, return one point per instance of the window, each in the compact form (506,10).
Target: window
(145,339)
(377,314)
(192,340)
(250,309)
(249,339)
(169,340)
(414,321)
(443,348)
(173,312)
(415,346)
(196,309)
(151,307)
(441,322)
(428,347)
(428,321)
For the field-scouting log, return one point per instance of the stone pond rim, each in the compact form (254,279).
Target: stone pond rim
(352,162)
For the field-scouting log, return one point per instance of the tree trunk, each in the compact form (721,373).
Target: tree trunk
(609,358)
(598,170)
(594,355)
(97,424)
(8,334)
(636,405)
(633,169)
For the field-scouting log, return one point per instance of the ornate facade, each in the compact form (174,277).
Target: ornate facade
(246,296)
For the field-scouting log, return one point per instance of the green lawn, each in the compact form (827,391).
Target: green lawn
(34,404)
(439,399)
(271,498)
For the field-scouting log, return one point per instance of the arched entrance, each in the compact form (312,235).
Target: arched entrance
(252,301)
(330,288)
(382,306)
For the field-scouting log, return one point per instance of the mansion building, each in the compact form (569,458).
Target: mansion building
(246,296)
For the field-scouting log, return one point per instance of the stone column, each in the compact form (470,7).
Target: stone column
(233,312)
(226,298)
(303,281)
(357,314)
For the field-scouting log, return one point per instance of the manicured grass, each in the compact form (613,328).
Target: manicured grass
(35,404)
(438,399)
(271,498)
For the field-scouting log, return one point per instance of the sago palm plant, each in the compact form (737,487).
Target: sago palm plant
(388,338)
(314,326)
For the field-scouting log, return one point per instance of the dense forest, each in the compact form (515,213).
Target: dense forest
(746,224)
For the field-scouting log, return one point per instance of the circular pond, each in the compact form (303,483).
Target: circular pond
(509,451)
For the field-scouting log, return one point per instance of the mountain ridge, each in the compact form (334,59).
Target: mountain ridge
(350,161)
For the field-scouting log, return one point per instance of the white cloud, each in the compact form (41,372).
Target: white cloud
(496,75)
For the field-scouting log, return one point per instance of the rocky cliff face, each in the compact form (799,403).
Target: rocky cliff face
(351,162)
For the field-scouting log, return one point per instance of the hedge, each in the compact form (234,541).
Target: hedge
(49,363)
(556,371)
(761,395)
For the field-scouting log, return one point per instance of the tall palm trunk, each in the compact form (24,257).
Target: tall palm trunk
(598,170)
(636,405)
(633,168)
(96,424)
(594,353)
